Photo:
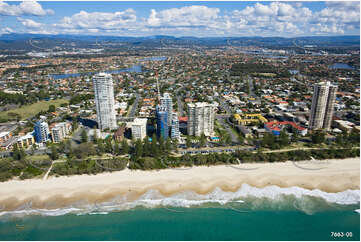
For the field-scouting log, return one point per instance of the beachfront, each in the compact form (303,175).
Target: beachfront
(327,175)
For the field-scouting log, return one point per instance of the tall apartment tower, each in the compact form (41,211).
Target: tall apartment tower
(162,122)
(41,131)
(201,118)
(167,102)
(174,133)
(323,100)
(104,100)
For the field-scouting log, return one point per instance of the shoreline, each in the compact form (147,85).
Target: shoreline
(329,176)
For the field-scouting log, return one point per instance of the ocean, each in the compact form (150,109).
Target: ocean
(270,213)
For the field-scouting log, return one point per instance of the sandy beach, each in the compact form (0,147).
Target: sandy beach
(326,175)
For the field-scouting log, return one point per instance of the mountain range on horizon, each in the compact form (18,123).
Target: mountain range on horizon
(14,41)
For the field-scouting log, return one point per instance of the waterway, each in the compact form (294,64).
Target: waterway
(341,66)
(135,68)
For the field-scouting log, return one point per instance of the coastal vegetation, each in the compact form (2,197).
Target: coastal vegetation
(239,157)
(105,156)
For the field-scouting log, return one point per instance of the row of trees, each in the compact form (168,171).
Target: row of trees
(149,163)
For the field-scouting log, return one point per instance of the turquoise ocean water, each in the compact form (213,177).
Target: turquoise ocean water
(193,224)
(258,214)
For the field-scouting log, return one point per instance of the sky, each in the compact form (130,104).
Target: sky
(190,18)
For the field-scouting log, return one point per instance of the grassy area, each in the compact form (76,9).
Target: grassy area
(38,158)
(265,74)
(28,111)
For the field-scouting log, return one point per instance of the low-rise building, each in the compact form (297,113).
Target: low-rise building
(344,125)
(26,140)
(139,128)
(275,127)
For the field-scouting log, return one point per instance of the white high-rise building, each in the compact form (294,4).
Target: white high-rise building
(104,100)
(166,101)
(57,134)
(201,118)
(323,101)
(139,128)
(60,131)
(175,134)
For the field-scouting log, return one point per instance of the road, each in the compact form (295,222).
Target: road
(179,103)
(39,151)
(215,150)
(224,105)
(135,106)
(76,137)
(234,137)
(251,86)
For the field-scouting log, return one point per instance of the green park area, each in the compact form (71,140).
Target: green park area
(28,111)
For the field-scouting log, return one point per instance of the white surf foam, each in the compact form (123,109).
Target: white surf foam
(186,199)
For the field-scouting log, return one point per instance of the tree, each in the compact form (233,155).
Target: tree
(154,146)
(95,136)
(295,136)
(74,124)
(146,146)
(100,146)
(168,145)
(268,140)
(116,149)
(227,139)
(138,150)
(18,153)
(108,145)
(51,108)
(175,144)
(161,143)
(188,142)
(125,147)
(318,137)
(283,139)
(202,140)
(84,136)
(54,155)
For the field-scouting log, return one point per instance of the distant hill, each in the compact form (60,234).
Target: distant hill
(21,41)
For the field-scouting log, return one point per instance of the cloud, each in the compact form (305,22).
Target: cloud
(336,18)
(262,19)
(6,30)
(30,23)
(28,7)
(98,20)
(183,17)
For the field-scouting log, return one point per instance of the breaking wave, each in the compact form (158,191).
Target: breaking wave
(246,198)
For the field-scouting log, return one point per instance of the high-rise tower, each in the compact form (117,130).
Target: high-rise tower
(167,102)
(201,118)
(162,122)
(175,134)
(104,100)
(323,100)
(41,131)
